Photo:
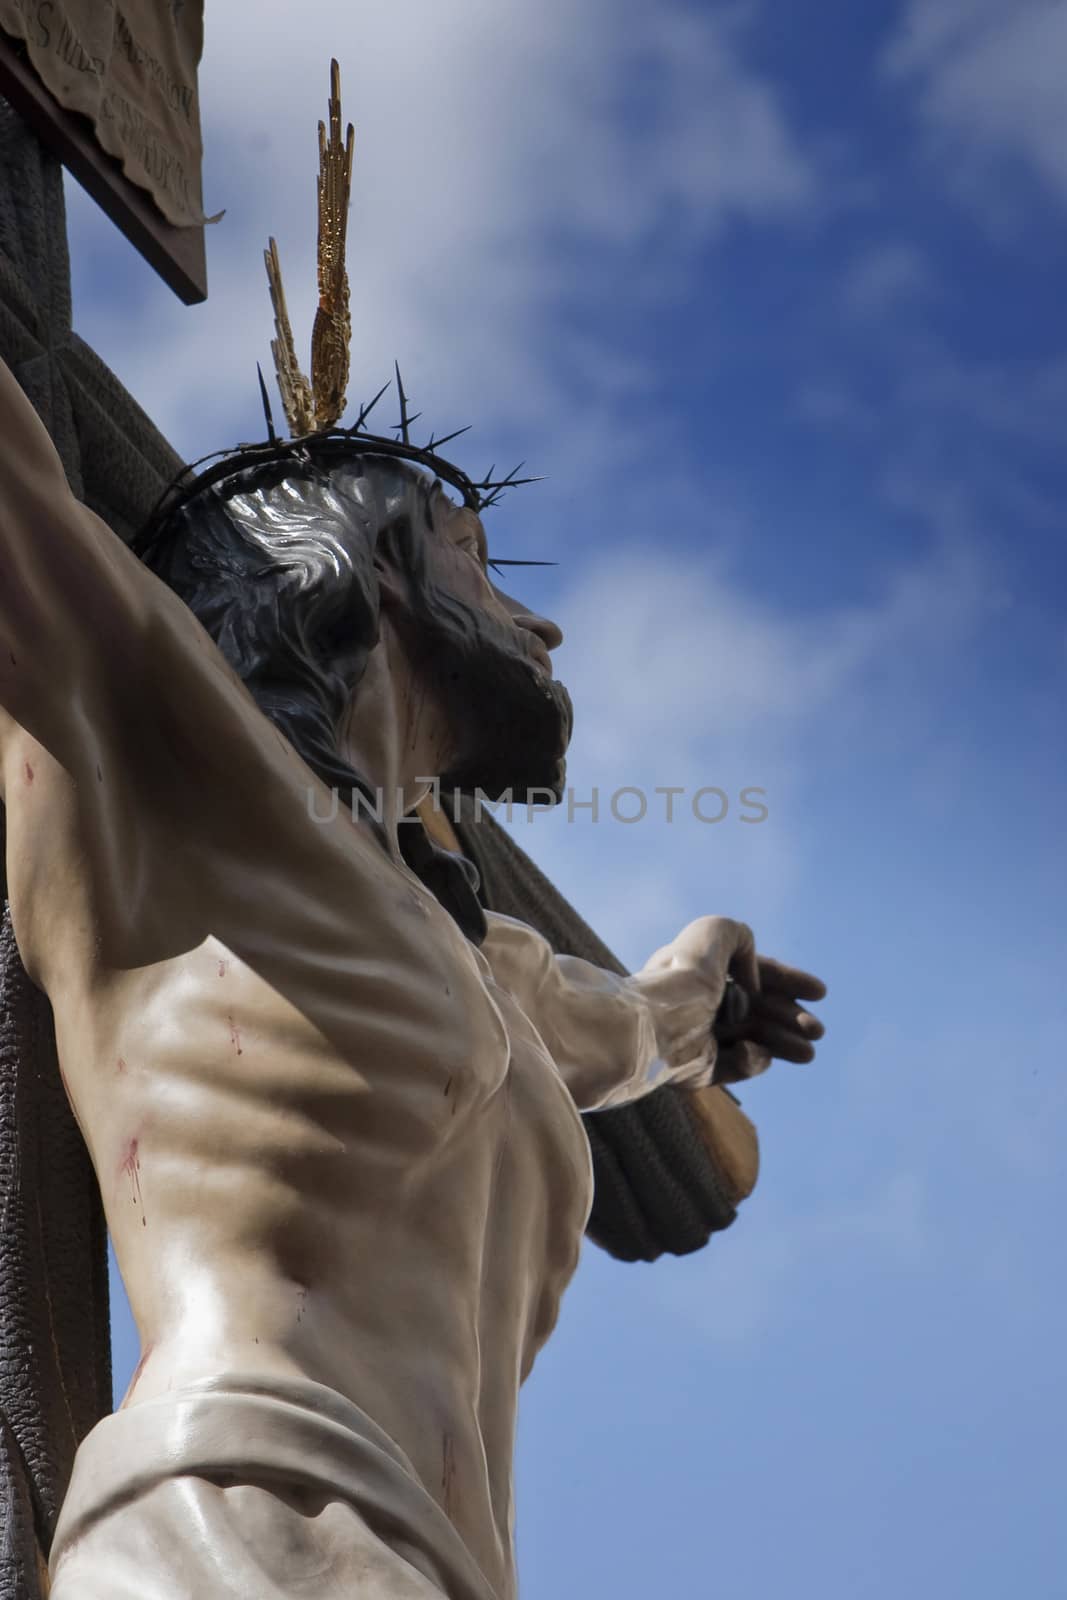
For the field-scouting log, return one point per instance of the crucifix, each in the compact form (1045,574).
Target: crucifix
(669,1169)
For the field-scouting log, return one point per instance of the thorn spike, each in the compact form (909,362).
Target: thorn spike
(365,411)
(265,397)
(404,418)
(435,444)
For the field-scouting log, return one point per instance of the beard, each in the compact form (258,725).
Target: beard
(511,722)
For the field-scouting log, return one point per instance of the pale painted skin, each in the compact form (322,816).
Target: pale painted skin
(329,1142)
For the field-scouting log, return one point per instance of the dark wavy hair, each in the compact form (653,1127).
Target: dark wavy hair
(276,560)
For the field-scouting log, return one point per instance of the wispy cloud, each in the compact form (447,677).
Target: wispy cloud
(684,675)
(989,80)
(506,160)
(672,650)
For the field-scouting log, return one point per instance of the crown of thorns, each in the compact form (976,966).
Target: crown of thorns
(222,464)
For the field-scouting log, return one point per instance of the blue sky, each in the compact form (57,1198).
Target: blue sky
(774,298)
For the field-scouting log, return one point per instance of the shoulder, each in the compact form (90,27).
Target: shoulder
(517,954)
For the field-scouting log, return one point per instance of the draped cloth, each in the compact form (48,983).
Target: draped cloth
(234,1489)
(659,1185)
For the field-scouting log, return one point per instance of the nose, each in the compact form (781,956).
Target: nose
(549,632)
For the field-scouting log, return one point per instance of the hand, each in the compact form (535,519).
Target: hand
(776,1024)
(684,983)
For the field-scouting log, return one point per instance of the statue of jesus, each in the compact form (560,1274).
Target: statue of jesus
(333,1107)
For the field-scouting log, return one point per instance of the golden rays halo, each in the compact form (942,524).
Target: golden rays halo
(318,403)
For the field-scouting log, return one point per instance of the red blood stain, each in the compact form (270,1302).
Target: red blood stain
(29,773)
(121,1064)
(235,1035)
(138,1369)
(131,1166)
(223,965)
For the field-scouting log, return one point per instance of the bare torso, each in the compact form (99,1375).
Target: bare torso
(328,1144)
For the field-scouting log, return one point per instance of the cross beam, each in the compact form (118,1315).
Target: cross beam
(177,254)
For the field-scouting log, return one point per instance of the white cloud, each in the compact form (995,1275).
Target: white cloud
(508,161)
(989,76)
(672,650)
(683,675)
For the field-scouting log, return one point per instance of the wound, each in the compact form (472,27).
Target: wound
(131,1167)
(139,1368)
(137,1371)
(120,1065)
(224,967)
(235,1037)
(29,773)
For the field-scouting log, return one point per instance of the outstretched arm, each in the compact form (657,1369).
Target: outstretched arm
(616,1039)
(74,603)
(98,658)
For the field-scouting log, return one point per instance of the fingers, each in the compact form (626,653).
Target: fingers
(738,1062)
(781,1042)
(776,1024)
(776,976)
(777,1008)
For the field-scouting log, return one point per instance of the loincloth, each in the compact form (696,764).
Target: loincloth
(260,1490)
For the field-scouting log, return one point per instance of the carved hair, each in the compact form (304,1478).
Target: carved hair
(276,560)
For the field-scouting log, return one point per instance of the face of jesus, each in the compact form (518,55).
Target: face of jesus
(485,657)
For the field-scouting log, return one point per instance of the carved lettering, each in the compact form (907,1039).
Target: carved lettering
(128,71)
